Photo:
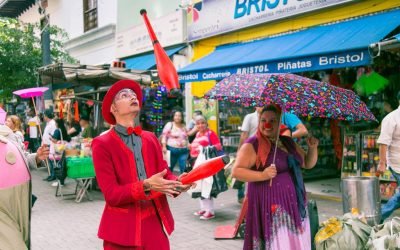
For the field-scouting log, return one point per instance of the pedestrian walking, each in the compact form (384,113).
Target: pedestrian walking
(46,140)
(175,139)
(205,137)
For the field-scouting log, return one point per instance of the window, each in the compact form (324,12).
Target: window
(89,14)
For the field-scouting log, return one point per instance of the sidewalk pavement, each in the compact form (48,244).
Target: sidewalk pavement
(64,224)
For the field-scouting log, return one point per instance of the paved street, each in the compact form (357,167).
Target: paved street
(65,224)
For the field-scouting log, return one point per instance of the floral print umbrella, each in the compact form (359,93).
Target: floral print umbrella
(295,94)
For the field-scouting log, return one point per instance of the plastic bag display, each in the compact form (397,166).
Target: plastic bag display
(348,232)
(385,236)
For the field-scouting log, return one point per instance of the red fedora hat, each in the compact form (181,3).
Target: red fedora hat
(109,97)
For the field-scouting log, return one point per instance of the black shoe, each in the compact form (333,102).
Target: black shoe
(47,178)
(51,178)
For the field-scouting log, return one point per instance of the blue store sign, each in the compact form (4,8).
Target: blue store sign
(311,63)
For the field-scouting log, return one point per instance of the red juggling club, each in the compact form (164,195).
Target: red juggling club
(166,69)
(206,169)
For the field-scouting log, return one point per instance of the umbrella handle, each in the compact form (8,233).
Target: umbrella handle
(41,134)
(276,145)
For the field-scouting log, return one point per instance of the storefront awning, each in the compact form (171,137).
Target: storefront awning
(338,45)
(76,74)
(386,44)
(147,61)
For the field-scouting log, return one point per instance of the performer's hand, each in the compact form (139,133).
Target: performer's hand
(312,142)
(269,172)
(184,188)
(159,184)
(42,153)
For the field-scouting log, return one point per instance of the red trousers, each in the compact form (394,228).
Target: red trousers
(153,237)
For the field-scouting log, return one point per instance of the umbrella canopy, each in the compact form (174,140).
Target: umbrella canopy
(295,94)
(3,115)
(30,92)
(371,83)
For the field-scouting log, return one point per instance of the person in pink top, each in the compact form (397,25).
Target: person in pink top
(175,139)
(204,137)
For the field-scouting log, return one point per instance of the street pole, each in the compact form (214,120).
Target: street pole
(45,40)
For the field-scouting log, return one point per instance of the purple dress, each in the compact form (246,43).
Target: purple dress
(273,218)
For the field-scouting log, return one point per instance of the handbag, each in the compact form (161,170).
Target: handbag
(220,184)
(203,187)
(60,168)
(59,147)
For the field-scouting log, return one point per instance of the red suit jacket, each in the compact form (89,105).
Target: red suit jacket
(117,177)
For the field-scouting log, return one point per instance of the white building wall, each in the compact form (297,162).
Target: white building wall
(94,47)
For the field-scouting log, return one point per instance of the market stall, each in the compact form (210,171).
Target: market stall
(77,91)
(75,162)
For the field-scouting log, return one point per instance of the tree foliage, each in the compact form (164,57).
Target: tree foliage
(21,54)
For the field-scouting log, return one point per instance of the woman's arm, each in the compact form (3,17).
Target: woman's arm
(215,140)
(310,158)
(245,159)
(71,130)
(164,136)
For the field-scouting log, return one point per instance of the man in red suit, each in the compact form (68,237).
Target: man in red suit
(133,176)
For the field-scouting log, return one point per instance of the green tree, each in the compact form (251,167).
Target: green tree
(21,54)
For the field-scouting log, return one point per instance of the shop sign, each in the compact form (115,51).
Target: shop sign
(234,120)
(312,63)
(212,17)
(169,30)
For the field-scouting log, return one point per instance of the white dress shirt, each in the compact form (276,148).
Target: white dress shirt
(390,136)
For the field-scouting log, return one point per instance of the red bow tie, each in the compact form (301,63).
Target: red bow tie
(136,130)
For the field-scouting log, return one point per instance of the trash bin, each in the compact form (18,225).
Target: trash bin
(362,193)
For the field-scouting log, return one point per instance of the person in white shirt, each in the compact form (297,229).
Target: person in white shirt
(46,140)
(33,123)
(191,127)
(389,155)
(249,125)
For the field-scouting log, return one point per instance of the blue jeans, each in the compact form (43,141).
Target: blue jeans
(394,202)
(240,193)
(178,155)
(51,166)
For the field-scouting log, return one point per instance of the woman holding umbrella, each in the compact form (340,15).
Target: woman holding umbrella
(277,214)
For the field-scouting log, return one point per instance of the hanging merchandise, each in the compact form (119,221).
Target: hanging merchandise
(61,110)
(76,110)
(370,83)
(157,110)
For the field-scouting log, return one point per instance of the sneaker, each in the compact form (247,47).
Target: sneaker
(199,213)
(55,184)
(207,216)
